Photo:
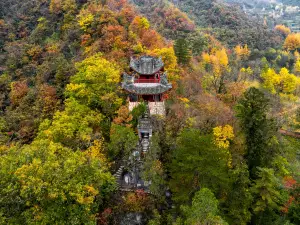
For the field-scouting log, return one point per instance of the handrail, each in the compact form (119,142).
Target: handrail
(146,80)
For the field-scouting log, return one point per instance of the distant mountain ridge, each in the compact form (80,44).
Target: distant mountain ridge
(272,12)
(264,2)
(290,2)
(230,25)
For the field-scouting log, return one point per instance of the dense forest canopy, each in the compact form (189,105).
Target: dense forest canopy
(227,150)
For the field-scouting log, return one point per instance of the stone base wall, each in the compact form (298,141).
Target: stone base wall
(133,105)
(156,108)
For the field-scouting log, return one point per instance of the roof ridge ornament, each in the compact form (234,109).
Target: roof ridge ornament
(146,65)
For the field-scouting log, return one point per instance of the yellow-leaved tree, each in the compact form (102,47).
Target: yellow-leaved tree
(216,68)
(297,67)
(283,29)
(63,174)
(96,84)
(271,80)
(245,74)
(222,137)
(284,83)
(72,127)
(288,82)
(292,42)
(85,19)
(170,61)
(139,24)
(56,184)
(242,52)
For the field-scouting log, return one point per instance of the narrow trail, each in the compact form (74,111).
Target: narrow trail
(290,133)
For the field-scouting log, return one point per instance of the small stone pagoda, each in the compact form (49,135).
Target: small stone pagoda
(147,82)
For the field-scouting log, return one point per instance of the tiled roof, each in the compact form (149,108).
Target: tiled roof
(146,65)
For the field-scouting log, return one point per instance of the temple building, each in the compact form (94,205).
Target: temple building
(147,82)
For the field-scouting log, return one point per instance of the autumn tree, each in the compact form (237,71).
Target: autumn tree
(124,116)
(242,52)
(18,90)
(289,82)
(283,29)
(55,6)
(283,83)
(72,127)
(47,183)
(139,24)
(297,67)
(216,65)
(177,20)
(137,201)
(85,20)
(47,99)
(292,42)
(96,84)
(170,61)
(223,135)
(271,80)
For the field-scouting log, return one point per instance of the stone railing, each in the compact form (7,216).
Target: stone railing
(130,79)
(157,108)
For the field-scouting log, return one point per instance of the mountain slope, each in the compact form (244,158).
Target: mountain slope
(290,2)
(230,25)
(165,17)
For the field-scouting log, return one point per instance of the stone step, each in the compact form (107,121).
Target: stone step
(119,172)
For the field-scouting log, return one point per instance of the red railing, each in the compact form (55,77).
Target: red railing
(146,81)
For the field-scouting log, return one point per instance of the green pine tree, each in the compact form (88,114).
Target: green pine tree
(182,51)
(204,209)
(260,132)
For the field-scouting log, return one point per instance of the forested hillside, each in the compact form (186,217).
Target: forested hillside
(290,2)
(229,24)
(218,156)
(271,12)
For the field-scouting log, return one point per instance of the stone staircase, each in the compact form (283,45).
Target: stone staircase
(118,175)
(134,164)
